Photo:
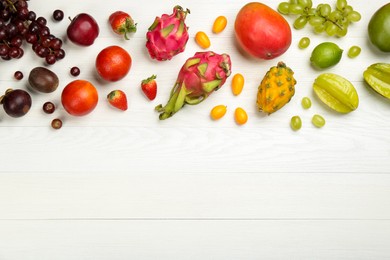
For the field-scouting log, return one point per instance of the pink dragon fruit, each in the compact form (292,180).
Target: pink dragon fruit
(168,35)
(200,75)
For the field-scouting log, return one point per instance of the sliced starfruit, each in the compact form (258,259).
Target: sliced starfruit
(377,77)
(336,92)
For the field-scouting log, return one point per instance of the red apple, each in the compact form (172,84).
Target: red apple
(83,30)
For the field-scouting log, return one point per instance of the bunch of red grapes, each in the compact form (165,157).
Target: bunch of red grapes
(18,24)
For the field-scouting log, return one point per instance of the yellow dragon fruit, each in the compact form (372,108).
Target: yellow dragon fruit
(168,35)
(276,89)
(200,75)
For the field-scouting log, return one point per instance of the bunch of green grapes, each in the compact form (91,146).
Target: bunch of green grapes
(322,18)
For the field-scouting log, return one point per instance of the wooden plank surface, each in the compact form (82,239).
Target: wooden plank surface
(205,239)
(187,196)
(115,185)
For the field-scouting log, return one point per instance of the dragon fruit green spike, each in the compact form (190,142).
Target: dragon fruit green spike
(200,75)
(168,35)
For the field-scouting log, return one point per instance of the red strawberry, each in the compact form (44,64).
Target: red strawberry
(122,23)
(149,87)
(117,98)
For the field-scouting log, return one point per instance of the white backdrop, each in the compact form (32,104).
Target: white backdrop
(124,185)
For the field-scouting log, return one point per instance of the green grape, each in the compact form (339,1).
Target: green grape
(330,28)
(300,22)
(335,15)
(354,16)
(293,2)
(295,9)
(318,9)
(295,123)
(305,3)
(284,8)
(306,103)
(341,4)
(342,32)
(316,20)
(311,11)
(344,23)
(347,10)
(319,28)
(354,51)
(304,43)
(318,121)
(325,10)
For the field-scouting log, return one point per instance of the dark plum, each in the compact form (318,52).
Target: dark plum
(16,103)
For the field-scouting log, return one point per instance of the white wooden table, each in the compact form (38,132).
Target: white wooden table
(116,185)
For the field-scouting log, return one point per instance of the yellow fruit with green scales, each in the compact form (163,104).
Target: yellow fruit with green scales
(276,89)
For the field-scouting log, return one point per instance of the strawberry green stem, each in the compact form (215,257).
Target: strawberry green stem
(146,81)
(128,27)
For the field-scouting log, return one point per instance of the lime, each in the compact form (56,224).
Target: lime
(325,55)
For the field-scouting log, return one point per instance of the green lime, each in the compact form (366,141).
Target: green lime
(325,55)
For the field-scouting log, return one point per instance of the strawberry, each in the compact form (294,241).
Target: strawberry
(122,23)
(117,98)
(149,87)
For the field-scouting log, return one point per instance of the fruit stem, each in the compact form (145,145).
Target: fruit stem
(145,81)
(2,97)
(326,20)
(181,13)
(12,6)
(175,102)
(129,27)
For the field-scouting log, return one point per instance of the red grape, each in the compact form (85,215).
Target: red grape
(75,71)
(56,123)
(58,15)
(18,75)
(48,107)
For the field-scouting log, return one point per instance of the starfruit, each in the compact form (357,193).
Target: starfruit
(336,92)
(377,77)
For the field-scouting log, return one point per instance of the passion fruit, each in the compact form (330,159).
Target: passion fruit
(379,28)
(43,80)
